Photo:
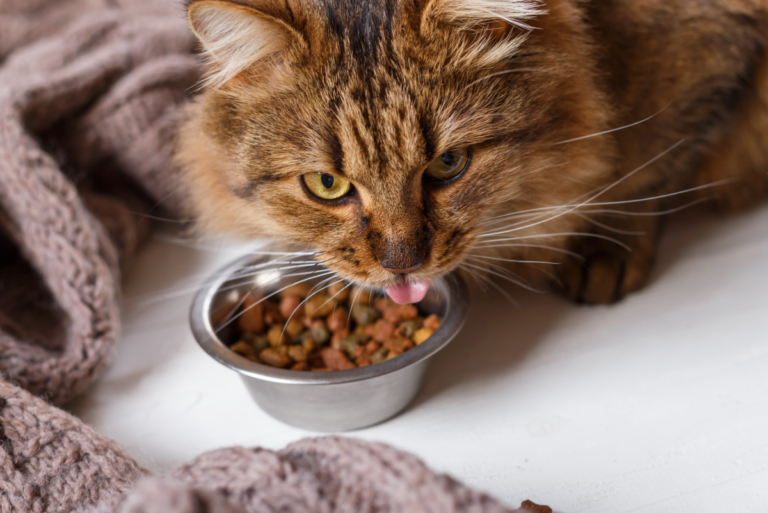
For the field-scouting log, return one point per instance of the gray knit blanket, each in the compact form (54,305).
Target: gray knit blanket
(90,93)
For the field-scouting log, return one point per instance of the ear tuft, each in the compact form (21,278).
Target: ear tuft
(235,37)
(480,12)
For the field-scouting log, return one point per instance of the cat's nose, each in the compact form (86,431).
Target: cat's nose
(398,254)
(403,271)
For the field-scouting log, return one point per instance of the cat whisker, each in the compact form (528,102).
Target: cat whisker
(541,209)
(484,280)
(505,72)
(639,200)
(167,196)
(307,299)
(636,123)
(650,214)
(318,286)
(499,268)
(339,292)
(182,290)
(531,212)
(352,305)
(242,299)
(537,246)
(245,276)
(515,280)
(509,260)
(281,261)
(235,249)
(663,196)
(544,271)
(587,202)
(567,234)
(158,218)
(275,266)
(317,274)
(528,219)
(607,227)
(477,276)
(521,215)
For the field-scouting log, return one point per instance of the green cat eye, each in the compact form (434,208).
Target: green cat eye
(327,186)
(449,165)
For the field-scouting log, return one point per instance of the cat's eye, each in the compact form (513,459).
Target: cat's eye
(449,165)
(327,186)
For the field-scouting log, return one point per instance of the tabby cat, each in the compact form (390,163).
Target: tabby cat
(401,139)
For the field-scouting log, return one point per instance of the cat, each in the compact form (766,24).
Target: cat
(403,139)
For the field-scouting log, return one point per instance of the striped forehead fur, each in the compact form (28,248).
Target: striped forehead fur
(236,37)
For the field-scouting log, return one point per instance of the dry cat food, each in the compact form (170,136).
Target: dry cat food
(329,330)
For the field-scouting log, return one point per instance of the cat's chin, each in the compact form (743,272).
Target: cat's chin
(408,291)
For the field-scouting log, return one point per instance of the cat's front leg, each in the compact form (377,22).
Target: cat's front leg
(618,252)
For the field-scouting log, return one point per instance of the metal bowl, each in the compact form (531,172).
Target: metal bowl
(324,401)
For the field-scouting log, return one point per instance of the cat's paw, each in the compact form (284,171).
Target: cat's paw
(607,274)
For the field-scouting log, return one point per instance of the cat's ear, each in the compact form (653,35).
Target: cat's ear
(471,14)
(236,36)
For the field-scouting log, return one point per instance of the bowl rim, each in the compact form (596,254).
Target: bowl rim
(457,304)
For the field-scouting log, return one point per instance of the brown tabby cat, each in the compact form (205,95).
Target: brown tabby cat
(401,139)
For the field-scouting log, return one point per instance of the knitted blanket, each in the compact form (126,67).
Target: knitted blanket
(90,93)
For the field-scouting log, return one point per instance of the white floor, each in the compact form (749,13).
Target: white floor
(659,404)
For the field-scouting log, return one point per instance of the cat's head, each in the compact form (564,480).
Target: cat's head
(380,133)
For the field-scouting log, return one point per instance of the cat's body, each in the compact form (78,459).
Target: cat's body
(377,91)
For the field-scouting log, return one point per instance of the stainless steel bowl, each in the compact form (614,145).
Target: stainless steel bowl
(325,401)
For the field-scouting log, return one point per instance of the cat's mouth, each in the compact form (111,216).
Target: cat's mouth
(407,291)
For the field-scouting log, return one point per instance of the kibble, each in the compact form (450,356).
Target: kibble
(298,353)
(272,314)
(294,328)
(252,318)
(380,331)
(350,343)
(338,336)
(432,322)
(333,329)
(360,296)
(364,314)
(410,327)
(297,289)
(309,344)
(319,305)
(320,332)
(272,356)
(338,320)
(256,341)
(340,291)
(398,313)
(379,355)
(398,344)
(290,307)
(392,354)
(336,359)
(276,335)
(362,356)
(422,335)
(244,350)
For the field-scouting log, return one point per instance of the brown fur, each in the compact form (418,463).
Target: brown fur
(376,89)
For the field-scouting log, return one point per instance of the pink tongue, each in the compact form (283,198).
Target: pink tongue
(408,292)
